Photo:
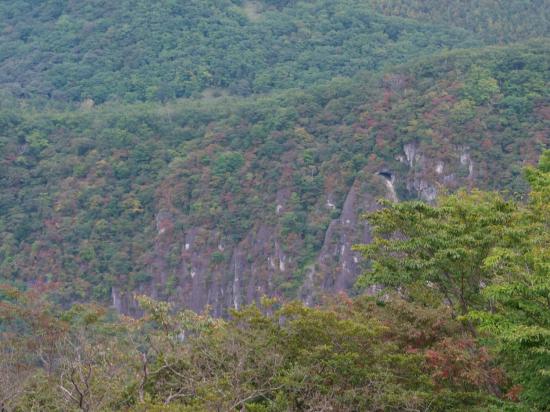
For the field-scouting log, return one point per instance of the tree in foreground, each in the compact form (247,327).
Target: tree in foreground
(348,355)
(442,246)
(490,259)
(518,311)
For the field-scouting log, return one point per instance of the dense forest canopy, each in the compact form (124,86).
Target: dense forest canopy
(159,50)
(495,20)
(80,190)
(227,173)
(151,51)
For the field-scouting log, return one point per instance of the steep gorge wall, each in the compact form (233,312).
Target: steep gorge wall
(215,273)
(218,202)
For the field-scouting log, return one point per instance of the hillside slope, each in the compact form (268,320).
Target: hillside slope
(495,20)
(220,202)
(275,205)
(158,50)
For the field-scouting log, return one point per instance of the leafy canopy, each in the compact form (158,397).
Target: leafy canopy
(444,245)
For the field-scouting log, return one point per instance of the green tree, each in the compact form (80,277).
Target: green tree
(442,246)
(519,298)
(480,86)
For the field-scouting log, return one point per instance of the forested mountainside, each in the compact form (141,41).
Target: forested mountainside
(303,115)
(220,202)
(229,172)
(97,50)
(155,51)
(495,20)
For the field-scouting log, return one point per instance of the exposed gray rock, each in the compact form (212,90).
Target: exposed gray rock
(262,263)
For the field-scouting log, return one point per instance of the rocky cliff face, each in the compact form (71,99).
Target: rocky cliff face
(427,175)
(215,273)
